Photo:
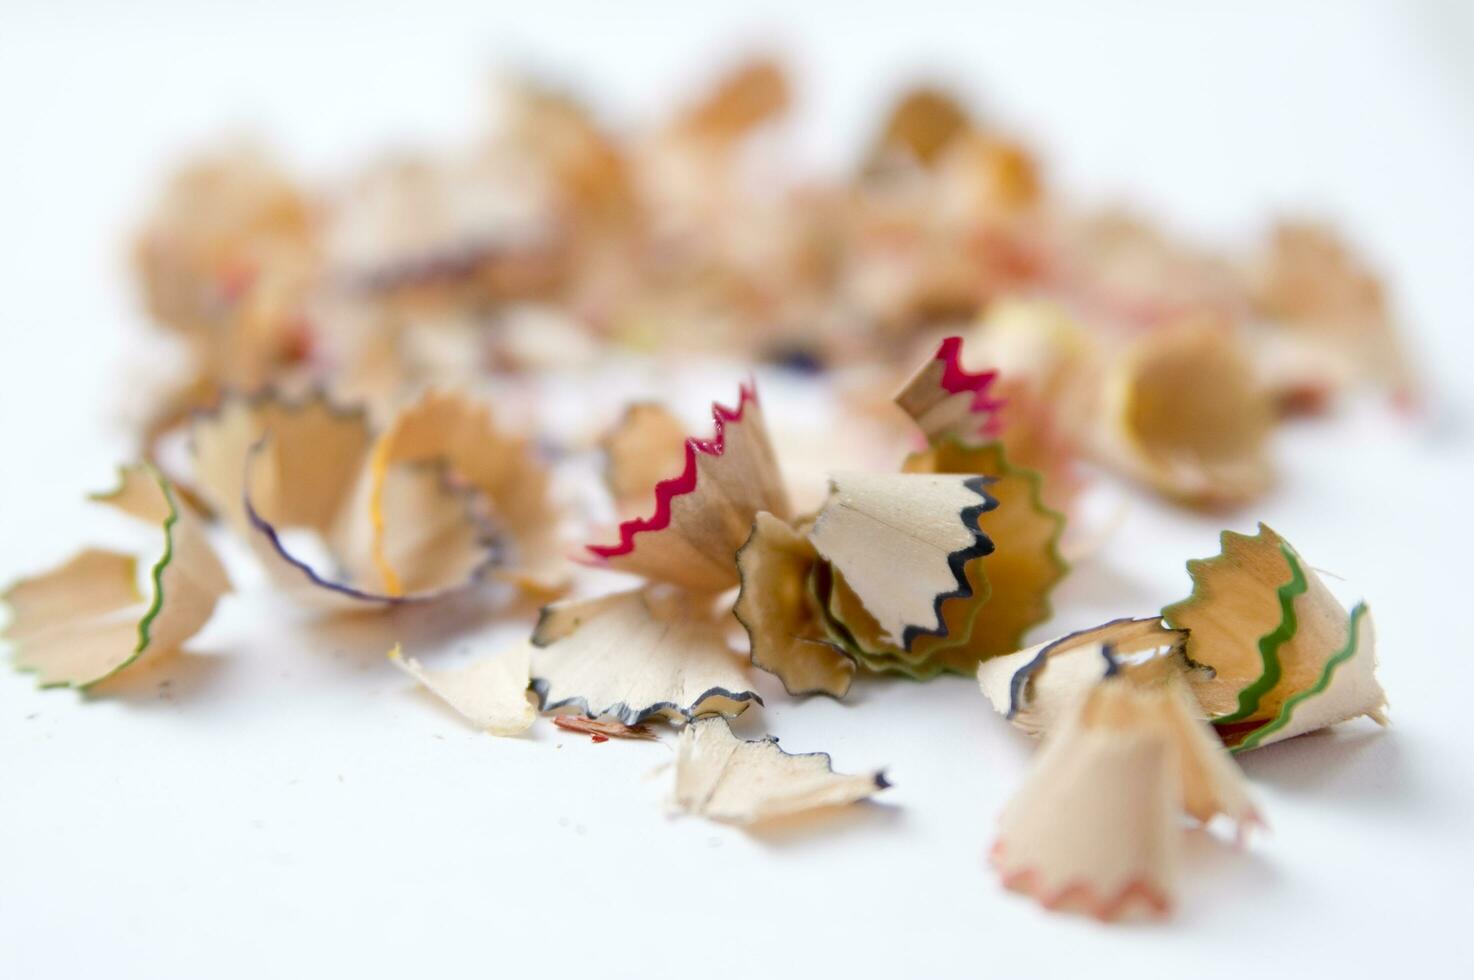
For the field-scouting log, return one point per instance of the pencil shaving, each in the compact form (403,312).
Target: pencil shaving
(731,780)
(602,729)
(903,543)
(703,515)
(1094,827)
(1277,644)
(491,693)
(1036,688)
(784,624)
(397,529)
(501,467)
(86,620)
(636,655)
(1022,569)
(1183,413)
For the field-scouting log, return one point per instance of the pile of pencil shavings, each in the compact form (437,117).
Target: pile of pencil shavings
(940,566)
(549,239)
(334,419)
(1137,713)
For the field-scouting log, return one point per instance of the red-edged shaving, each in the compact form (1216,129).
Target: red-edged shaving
(1097,825)
(1080,894)
(948,401)
(703,516)
(667,490)
(957,379)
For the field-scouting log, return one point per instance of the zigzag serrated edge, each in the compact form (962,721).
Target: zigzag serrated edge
(1269,644)
(685,482)
(156,576)
(1287,710)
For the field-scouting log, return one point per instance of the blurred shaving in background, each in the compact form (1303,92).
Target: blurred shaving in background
(549,240)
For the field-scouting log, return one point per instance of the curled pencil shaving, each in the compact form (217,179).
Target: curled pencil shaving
(903,543)
(1043,368)
(86,620)
(978,556)
(784,623)
(632,656)
(1283,655)
(1024,566)
(1267,652)
(503,469)
(704,514)
(270,466)
(1036,688)
(1183,412)
(1095,826)
(947,401)
(646,444)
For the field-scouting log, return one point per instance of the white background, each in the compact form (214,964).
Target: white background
(287,805)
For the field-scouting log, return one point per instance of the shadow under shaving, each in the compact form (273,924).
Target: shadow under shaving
(1217,871)
(1341,765)
(799,828)
(422,630)
(164,678)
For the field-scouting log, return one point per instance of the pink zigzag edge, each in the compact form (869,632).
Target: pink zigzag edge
(667,490)
(1105,908)
(958,380)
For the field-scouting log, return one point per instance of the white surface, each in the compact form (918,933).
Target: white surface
(287,805)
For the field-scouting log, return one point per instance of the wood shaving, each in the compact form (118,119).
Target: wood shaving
(86,620)
(338,341)
(491,693)
(636,655)
(724,778)
(1095,826)
(602,730)
(396,533)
